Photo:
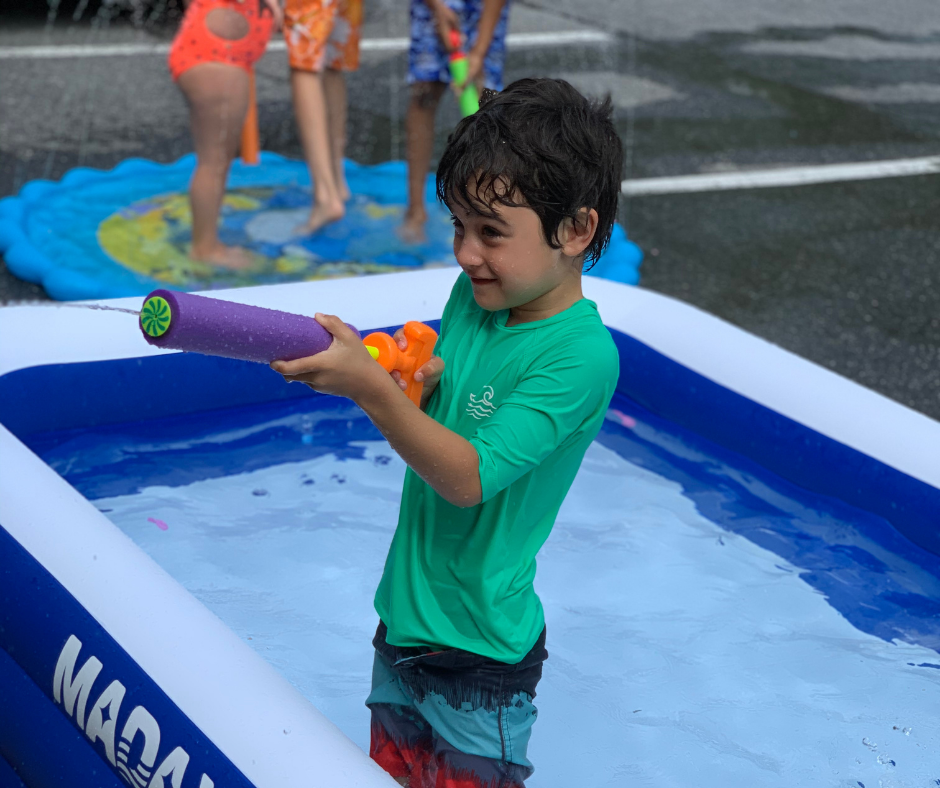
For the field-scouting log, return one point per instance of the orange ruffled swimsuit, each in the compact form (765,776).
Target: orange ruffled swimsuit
(195,43)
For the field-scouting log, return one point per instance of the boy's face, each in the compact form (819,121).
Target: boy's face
(507,258)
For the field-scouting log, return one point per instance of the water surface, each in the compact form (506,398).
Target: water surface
(708,623)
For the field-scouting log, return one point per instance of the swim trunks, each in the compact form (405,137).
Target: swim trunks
(323,34)
(195,43)
(428,59)
(452,719)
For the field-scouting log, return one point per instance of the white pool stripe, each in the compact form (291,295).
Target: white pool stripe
(516,40)
(784,176)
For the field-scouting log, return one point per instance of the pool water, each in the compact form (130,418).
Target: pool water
(709,624)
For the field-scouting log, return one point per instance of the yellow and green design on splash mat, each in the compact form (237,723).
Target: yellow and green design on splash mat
(127,231)
(152,238)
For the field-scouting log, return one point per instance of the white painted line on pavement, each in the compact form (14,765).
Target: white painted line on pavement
(81,50)
(784,176)
(566,37)
(516,40)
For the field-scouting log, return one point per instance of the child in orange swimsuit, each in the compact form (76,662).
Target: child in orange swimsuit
(217,44)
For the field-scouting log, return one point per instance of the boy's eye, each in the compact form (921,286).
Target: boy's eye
(456,222)
(491,232)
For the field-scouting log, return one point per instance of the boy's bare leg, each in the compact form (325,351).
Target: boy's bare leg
(218,100)
(310,107)
(419,130)
(334,84)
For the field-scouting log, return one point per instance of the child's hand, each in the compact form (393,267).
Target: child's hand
(429,374)
(474,72)
(445,20)
(345,368)
(277,12)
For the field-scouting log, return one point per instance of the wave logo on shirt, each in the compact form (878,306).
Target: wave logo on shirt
(482,407)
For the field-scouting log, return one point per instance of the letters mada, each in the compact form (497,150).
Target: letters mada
(72,690)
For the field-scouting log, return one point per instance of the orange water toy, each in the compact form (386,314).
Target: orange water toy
(385,350)
(251,139)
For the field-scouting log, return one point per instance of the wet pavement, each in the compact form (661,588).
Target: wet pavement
(846,275)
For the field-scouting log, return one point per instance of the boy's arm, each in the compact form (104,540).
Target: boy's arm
(489,18)
(492,9)
(441,457)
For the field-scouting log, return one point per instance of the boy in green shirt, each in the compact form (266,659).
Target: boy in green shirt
(523,375)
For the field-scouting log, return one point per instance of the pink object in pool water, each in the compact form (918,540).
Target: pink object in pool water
(159,523)
(627,421)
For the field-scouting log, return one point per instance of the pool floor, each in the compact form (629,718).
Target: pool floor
(708,624)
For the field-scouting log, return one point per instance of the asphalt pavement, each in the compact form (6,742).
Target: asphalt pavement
(845,274)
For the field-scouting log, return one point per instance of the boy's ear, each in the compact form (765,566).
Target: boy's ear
(576,234)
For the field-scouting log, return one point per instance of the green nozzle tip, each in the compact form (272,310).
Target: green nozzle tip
(155,316)
(373,351)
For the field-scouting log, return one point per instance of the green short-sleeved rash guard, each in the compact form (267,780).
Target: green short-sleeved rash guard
(530,398)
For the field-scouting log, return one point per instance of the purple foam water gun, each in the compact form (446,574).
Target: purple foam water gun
(183,321)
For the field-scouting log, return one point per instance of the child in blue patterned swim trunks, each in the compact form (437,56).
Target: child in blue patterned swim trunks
(482,25)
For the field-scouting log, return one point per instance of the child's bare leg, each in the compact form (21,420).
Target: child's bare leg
(334,85)
(218,100)
(310,107)
(419,130)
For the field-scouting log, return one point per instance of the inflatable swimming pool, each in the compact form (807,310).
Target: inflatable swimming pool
(743,587)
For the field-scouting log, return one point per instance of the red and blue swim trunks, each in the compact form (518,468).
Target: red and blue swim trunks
(452,719)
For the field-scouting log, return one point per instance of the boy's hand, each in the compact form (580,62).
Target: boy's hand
(474,72)
(429,374)
(445,20)
(345,368)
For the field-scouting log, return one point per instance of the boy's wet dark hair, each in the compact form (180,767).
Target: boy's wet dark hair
(542,145)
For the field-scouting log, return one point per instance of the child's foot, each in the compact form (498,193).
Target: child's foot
(234,257)
(411,230)
(320,216)
(342,187)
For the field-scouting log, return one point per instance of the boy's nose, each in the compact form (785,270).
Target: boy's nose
(468,255)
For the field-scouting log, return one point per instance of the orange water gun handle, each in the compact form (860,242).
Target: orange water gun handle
(385,350)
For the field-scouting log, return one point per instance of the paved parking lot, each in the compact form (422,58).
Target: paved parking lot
(846,274)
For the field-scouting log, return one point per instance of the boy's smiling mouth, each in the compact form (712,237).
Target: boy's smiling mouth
(477,279)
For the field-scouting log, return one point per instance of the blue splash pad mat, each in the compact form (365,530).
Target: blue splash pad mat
(126,231)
